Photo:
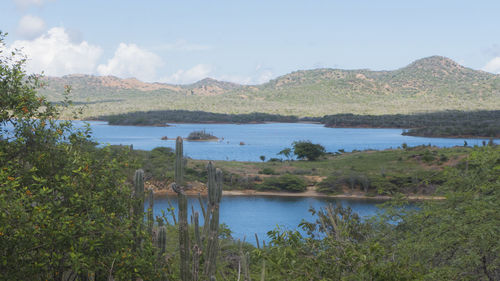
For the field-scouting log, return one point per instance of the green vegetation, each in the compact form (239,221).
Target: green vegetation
(200,135)
(417,170)
(71,211)
(437,124)
(161,117)
(426,85)
(308,150)
(433,124)
(453,239)
(287,182)
(64,205)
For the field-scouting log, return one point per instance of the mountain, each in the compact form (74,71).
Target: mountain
(429,84)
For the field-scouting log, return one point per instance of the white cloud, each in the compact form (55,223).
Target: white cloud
(30,26)
(493,66)
(258,78)
(264,77)
(131,61)
(56,55)
(201,71)
(196,73)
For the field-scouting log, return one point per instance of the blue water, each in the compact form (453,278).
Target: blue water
(260,139)
(247,215)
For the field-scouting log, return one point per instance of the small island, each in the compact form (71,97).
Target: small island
(201,135)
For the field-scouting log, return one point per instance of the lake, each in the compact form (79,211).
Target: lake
(260,139)
(247,215)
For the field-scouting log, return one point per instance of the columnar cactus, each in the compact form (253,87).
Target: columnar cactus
(177,186)
(214,196)
(139,194)
(196,248)
(162,239)
(179,162)
(202,206)
(151,220)
(138,207)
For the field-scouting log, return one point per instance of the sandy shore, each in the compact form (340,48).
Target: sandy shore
(308,193)
(316,194)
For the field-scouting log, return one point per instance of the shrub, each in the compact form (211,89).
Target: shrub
(283,183)
(332,184)
(268,171)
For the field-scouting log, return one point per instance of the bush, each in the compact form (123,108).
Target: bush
(428,156)
(268,171)
(332,184)
(283,183)
(65,205)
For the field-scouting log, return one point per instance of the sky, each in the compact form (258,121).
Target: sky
(248,42)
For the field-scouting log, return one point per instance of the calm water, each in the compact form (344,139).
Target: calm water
(260,139)
(247,215)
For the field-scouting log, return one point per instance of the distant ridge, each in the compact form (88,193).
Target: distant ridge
(429,84)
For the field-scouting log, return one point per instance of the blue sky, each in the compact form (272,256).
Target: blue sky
(246,41)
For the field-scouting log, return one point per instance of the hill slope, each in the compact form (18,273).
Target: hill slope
(429,84)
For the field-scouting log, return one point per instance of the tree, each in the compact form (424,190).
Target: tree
(308,150)
(64,204)
(262,158)
(287,152)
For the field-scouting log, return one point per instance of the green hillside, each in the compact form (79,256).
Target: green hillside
(429,84)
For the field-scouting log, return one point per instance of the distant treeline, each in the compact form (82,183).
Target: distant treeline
(436,124)
(161,117)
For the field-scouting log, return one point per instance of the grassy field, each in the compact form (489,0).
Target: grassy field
(412,171)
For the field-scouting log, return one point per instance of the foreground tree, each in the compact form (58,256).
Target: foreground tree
(64,205)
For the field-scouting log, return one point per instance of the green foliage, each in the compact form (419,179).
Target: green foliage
(427,85)
(158,164)
(64,205)
(457,238)
(453,239)
(287,152)
(200,135)
(268,171)
(161,117)
(308,150)
(286,182)
(450,123)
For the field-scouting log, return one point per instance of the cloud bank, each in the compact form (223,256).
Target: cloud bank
(30,26)
(493,66)
(131,61)
(55,54)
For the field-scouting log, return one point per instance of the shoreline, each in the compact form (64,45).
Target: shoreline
(170,124)
(308,194)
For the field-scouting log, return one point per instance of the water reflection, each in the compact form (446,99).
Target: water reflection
(247,215)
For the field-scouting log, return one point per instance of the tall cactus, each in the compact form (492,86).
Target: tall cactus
(179,162)
(196,248)
(139,194)
(162,239)
(138,207)
(151,220)
(177,186)
(214,197)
